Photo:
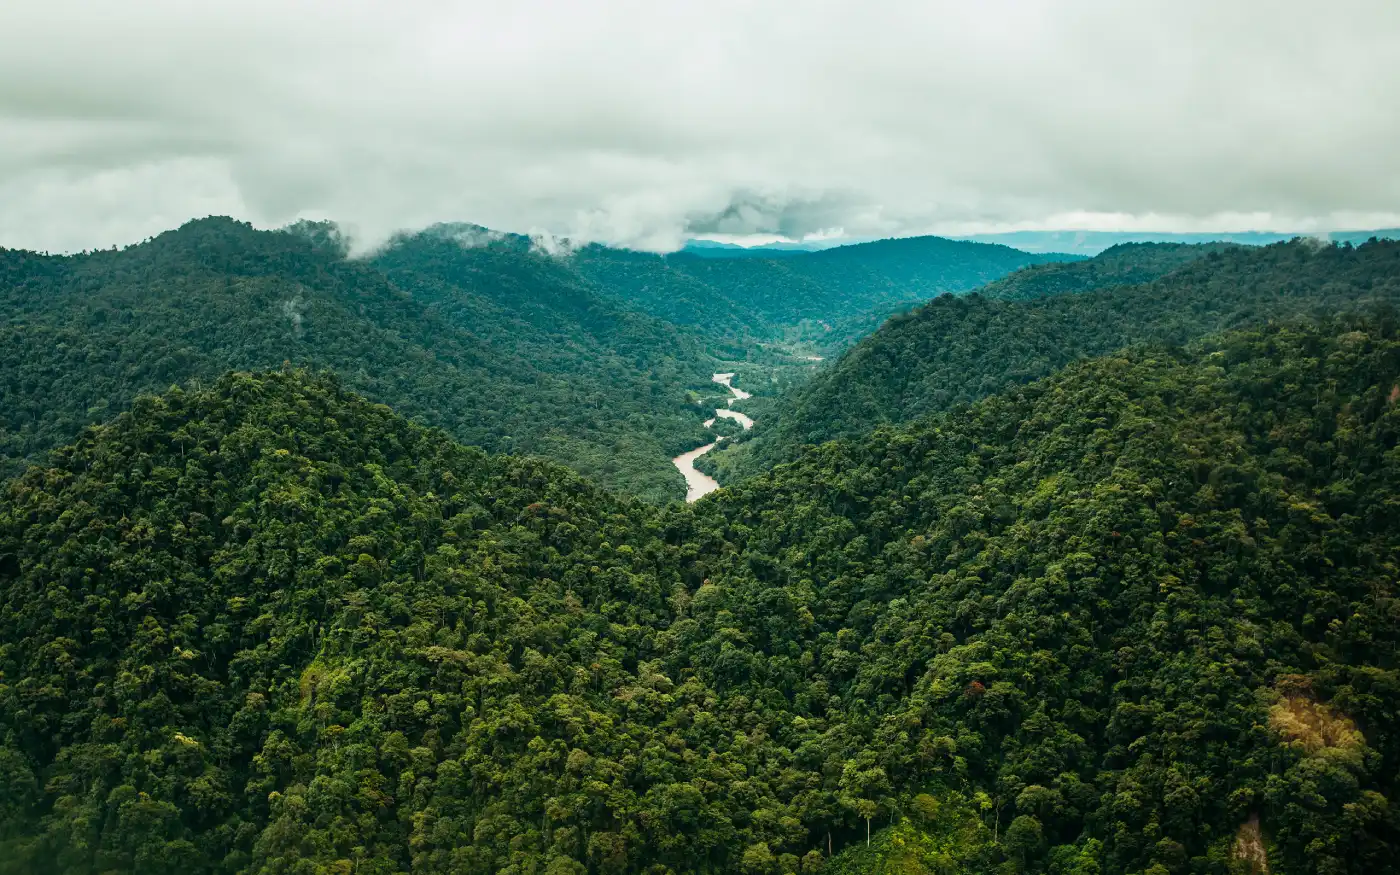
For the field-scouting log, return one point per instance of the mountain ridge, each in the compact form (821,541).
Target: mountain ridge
(957,349)
(268,625)
(594,357)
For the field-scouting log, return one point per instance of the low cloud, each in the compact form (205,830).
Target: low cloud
(466,235)
(792,216)
(553,245)
(294,309)
(641,124)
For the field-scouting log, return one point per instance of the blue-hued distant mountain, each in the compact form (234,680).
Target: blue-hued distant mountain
(716,249)
(1094,242)
(1086,243)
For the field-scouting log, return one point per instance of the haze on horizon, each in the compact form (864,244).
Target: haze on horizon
(643,124)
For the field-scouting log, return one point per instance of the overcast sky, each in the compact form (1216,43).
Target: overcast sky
(643,123)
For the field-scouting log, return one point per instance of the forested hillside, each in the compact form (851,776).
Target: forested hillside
(1121,265)
(826,298)
(504,347)
(958,349)
(509,343)
(1127,619)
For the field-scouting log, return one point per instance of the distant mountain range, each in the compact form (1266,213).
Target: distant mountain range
(719,249)
(956,350)
(589,356)
(1094,242)
(825,298)
(1068,242)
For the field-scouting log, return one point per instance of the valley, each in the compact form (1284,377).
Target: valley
(618,438)
(955,350)
(581,356)
(975,588)
(698,483)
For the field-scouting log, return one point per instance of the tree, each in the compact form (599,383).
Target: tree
(1023,839)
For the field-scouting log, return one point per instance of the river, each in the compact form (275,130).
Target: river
(697,482)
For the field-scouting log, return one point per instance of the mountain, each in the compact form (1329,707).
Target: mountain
(594,358)
(505,347)
(826,298)
(1078,243)
(1136,617)
(1120,265)
(958,349)
(1094,242)
(716,249)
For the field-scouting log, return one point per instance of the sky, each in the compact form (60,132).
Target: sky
(645,123)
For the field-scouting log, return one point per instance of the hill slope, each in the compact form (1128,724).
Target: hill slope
(587,358)
(1094,624)
(1122,265)
(507,348)
(826,298)
(957,349)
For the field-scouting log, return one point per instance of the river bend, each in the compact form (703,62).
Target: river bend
(697,482)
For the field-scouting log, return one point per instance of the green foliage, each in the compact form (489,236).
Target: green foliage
(1080,594)
(289,614)
(584,357)
(954,841)
(958,349)
(1092,624)
(506,348)
(1121,265)
(826,298)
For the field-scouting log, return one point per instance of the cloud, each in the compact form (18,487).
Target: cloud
(642,123)
(553,245)
(293,309)
(466,235)
(784,214)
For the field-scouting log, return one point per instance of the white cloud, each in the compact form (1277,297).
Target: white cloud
(642,123)
(547,243)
